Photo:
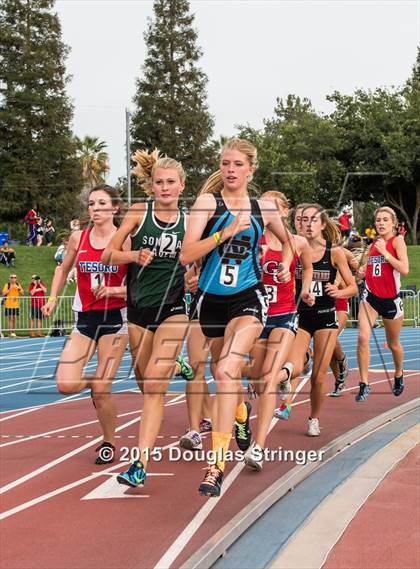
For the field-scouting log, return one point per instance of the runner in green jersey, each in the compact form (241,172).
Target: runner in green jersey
(156,312)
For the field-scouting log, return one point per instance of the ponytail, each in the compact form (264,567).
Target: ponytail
(148,162)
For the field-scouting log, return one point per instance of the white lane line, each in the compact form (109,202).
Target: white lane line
(64,457)
(191,529)
(72,485)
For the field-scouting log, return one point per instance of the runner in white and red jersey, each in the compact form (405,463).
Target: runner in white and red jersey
(272,349)
(386,262)
(100,313)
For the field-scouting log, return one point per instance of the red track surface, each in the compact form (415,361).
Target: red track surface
(62,530)
(386,531)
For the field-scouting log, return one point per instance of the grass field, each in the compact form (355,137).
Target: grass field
(40,260)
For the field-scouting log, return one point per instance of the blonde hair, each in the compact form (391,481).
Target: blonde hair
(281,199)
(148,162)
(214,182)
(391,212)
(331,232)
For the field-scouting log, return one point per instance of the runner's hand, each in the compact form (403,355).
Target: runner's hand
(145,257)
(192,283)
(332,290)
(241,221)
(283,274)
(103,291)
(308,298)
(48,308)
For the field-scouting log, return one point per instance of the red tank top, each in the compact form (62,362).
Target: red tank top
(91,272)
(381,278)
(281,296)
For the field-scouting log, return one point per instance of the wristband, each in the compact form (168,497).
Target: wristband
(52,299)
(218,237)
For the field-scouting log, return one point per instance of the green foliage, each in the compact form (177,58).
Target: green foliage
(93,158)
(171,109)
(37,154)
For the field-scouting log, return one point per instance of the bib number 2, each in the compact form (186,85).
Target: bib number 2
(229,275)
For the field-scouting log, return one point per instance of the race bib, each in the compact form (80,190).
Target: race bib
(97,279)
(271,293)
(316,288)
(376,269)
(229,275)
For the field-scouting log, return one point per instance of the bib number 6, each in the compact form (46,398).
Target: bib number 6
(376,270)
(229,275)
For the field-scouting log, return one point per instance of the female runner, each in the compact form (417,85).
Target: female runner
(276,340)
(100,306)
(320,320)
(387,260)
(225,229)
(156,312)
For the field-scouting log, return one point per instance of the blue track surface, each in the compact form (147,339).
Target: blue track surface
(28,365)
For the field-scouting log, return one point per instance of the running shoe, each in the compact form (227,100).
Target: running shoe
(314,429)
(191,441)
(283,412)
(398,385)
(338,389)
(205,426)
(307,366)
(285,387)
(134,476)
(254,457)
(212,482)
(243,433)
(364,390)
(187,371)
(343,367)
(106,454)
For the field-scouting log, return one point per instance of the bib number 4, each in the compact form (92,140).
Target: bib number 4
(316,288)
(229,275)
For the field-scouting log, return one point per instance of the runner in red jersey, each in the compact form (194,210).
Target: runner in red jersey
(273,347)
(386,262)
(100,309)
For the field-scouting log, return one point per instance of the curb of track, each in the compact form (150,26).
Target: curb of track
(230,532)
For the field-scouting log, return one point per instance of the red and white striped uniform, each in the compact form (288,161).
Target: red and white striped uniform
(382,279)
(91,272)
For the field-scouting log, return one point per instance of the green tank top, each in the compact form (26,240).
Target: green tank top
(162,281)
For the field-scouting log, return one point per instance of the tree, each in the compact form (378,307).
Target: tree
(380,132)
(37,154)
(94,160)
(171,110)
(297,153)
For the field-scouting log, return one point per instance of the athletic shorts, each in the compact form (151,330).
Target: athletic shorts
(388,308)
(152,317)
(97,323)
(192,309)
(36,313)
(313,320)
(216,311)
(342,305)
(287,321)
(11,311)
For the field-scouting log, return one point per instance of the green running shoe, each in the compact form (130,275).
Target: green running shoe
(134,476)
(187,371)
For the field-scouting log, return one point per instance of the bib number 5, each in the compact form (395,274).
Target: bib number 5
(229,275)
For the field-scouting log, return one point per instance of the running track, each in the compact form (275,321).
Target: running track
(61,511)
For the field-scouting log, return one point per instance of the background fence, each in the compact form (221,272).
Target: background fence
(63,316)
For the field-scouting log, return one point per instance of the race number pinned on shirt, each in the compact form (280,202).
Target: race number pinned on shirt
(229,275)
(316,288)
(377,269)
(271,293)
(168,244)
(97,279)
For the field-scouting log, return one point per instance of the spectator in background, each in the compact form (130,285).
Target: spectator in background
(49,231)
(30,220)
(37,290)
(7,255)
(11,293)
(344,222)
(61,251)
(401,230)
(75,225)
(370,233)
(39,229)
